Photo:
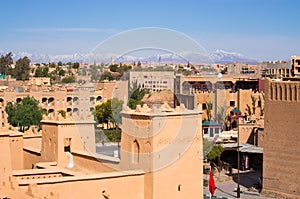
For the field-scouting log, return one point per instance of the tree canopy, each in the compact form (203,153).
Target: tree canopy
(42,72)
(5,61)
(215,152)
(21,70)
(136,94)
(109,111)
(24,114)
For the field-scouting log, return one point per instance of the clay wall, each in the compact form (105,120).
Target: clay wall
(281,138)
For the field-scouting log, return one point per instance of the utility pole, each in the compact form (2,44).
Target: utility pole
(238,191)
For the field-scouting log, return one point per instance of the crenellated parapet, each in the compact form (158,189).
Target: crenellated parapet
(287,91)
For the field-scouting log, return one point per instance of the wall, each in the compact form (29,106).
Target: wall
(16,150)
(281,172)
(90,186)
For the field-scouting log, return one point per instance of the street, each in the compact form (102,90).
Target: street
(228,189)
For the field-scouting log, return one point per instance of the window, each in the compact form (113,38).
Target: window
(217,131)
(203,106)
(136,152)
(232,103)
(205,131)
(211,132)
(67,144)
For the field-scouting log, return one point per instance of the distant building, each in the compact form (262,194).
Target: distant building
(211,129)
(275,69)
(296,66)
(153,80)
(226,92)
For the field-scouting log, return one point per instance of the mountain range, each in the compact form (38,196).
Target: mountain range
(218,56)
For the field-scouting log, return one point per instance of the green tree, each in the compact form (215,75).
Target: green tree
(215,152)
(113,68)
(63,113)
(24,114)
(207,145)
(52,65)
(5,62)
(61,72)
(209,107)
(22,68)
(69,79)
(76,65)
(253,99)
(109,112)
(41,72)
(136,94)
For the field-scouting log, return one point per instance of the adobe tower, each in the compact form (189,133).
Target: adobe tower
(166,143)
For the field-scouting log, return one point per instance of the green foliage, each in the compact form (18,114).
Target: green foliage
(95,72)
(186,72)
(59,63)
(253,99)
(41,72)
(136,95)
(110,111)
(5,61)
(24,114)
(215,152)
(248,109)
(207,145)
(76,65)
(209,107)
(224,71)
(52,65)
(61,72)
(113,135)
(63,113)
(22,68)
(113,68)
(69,79)
(107,76)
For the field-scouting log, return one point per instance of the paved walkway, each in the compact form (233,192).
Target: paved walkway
(228,189)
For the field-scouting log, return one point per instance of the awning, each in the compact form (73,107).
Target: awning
(244,147)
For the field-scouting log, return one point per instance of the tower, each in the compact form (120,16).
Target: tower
(63,136)
(167,144)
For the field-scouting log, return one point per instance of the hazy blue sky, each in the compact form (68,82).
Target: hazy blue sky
(263,29)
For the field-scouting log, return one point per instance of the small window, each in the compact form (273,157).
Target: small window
(211,132)
(232,103)
(259,103)
(205,131)
(217,131)
(203,106)
(67,144)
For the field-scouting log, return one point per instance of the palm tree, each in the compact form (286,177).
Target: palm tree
(209,107)
(253,104)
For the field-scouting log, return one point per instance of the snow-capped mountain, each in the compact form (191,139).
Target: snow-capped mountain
(221,56)
(218,56)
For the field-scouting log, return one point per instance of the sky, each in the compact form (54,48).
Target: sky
(263,29)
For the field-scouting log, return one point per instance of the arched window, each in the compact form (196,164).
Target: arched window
(204,106)
(136,151)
